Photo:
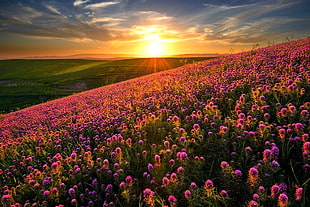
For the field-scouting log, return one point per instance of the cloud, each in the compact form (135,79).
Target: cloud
(26,21)
(101,5)
(80,2)
(52,9)
(105,19)
(245,23)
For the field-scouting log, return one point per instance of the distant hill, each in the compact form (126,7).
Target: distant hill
(25,82)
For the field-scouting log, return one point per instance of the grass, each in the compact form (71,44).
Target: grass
(28,82)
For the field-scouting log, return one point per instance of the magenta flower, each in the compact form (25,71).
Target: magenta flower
(283,200)
(306,147)
(298,194)
(7,198)
(165,181)
(172,200)
(187,194)
(209,185)
(253,204)
(253,175)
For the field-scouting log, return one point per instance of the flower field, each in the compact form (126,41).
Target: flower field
(230,131)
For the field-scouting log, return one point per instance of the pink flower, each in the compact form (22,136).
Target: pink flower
(7,198)
(298,194)
(187,194)
(283,200)
(172,199)
(253,204)
(208,185)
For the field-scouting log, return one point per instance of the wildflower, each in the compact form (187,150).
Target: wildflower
(282,187)
(274,190)
(193,185)
(283,200)
(253,204)
(46,193)
(150,167)
(71,192)
(55,191)
(165,181)
(7,198)
(299,126)
(173,177)
(224,193)
(157,158)
(298,194)
(73,201)
(282,133)
(167,144)
(129,180)
(255,197)
(261,189)
(253,175)
(306,147)
(182,139)
(180,169)
(274,164)
(224,164)
(196,126)
(209,185)
(275,151)
(267,155)
(305,137)
(172,200)
(187,194)
(182,155)
(237,173)
(148,195)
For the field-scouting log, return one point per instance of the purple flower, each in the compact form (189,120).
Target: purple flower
(238,173)
(71,192)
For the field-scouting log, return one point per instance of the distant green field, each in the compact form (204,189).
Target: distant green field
(28,82)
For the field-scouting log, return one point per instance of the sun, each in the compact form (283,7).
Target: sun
(155,49)
(154,46)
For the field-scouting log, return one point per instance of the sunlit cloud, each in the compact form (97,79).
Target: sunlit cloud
(80,2)
(105,19)
(101,5)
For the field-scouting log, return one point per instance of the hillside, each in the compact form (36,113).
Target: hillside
(230,131)
(28,82)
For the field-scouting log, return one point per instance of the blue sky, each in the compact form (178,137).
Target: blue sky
(65,27)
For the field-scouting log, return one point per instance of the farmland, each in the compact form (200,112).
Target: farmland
(27,82)
(230,131)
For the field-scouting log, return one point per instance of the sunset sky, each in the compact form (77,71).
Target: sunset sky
(147,27)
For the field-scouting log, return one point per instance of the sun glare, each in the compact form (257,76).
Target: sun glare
(155,49)
(154,46)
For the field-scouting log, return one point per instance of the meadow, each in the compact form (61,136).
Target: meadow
(230,131)
(28,82)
